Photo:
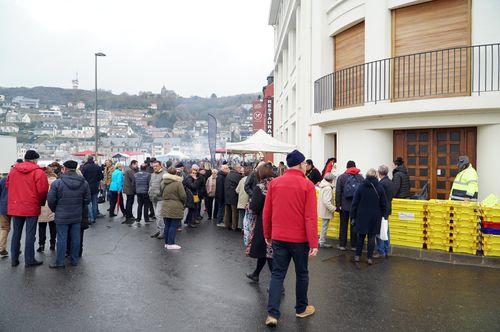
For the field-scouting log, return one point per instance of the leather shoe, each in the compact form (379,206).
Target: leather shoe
(15,263)
(53,266)
(35,263)
(252,277)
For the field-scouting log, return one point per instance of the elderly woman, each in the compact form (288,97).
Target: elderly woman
(115,190)
(47,217)
(369,205)
(174,198)
(325,207)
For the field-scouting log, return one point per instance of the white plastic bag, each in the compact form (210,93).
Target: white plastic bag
(384,226)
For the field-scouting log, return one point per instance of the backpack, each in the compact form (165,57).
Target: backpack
(351,186)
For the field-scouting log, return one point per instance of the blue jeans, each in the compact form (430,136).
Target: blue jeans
(62,242)
(220,211)
(383,246)
(283,252)
(93,211)
(171,226)
(29,243)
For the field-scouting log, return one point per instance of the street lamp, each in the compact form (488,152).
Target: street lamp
(96,129)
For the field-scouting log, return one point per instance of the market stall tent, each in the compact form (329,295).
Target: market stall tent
(260,142)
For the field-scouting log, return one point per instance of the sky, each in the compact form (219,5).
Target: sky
(194,47)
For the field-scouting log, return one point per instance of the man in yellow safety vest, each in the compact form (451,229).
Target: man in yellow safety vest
(465,185)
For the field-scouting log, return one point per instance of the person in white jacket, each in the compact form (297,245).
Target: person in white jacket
(326,207)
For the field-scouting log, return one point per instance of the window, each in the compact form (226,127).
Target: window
(293,100)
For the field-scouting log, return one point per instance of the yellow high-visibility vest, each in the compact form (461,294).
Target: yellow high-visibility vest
(465,185)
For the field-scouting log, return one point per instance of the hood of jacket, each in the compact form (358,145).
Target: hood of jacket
(169,178)
(325,183)
(26,167)
(401,169)
(352,170)
(72,180)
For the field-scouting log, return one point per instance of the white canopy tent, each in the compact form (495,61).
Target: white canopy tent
(174,154)
(260,142)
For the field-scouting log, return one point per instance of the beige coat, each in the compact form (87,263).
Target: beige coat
(46,215)
(326,200)
(242,194)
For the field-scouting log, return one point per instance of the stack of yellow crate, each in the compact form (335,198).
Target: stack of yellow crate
(407,223)
(333,226)
(438,228)
(465,226)
(491,230)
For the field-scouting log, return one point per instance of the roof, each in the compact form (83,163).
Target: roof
(260,142)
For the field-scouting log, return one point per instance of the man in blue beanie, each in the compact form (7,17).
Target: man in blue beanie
(290,221)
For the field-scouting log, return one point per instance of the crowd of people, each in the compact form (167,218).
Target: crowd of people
(275,208)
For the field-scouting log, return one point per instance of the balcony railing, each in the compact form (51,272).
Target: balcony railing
(450,72)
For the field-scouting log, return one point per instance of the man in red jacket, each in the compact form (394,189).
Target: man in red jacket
(291,224)
(28,187)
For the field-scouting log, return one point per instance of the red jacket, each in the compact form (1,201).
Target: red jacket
(28,187)
(290,212)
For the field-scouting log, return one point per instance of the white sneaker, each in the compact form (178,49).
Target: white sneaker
(173,246)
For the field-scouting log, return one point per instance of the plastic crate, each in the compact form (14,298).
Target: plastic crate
(439,214)
(491,239)
(407,225)
(492,253)
(407,215)
(408,203)
(437,246)
(407,243)
(437,228)
(494,225)
(464,250)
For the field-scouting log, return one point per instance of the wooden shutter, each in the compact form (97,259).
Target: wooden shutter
(349,54)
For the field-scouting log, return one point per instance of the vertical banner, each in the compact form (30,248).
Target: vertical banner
(258,115)
(269,115)
(212,136)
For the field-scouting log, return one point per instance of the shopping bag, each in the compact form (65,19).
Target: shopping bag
(384,226)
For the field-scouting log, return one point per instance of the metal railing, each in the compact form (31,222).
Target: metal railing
(458,71)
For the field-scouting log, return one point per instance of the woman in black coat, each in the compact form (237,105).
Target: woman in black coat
(369,205)
(257,247)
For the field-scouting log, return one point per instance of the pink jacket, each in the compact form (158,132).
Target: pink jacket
(210,187)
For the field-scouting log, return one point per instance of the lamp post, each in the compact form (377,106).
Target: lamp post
(96,129)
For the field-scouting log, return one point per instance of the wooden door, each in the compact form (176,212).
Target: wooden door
(431,156)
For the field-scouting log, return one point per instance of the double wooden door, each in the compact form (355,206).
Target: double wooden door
(431,156)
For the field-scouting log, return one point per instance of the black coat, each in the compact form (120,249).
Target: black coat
(368,207)
(401,181)
(389,192)
(251,183)
(258,247)
(67,198)
(219,187)
(190,185)
(93,174)
(314,175)
(230,184)
(340,201)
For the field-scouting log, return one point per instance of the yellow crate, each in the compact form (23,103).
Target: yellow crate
(407,216)
(465,231)
(407,225)
(409,203)
(406,237)
(437,246)
(491,213)
(437,228)
(465,250)
(491,239)
(492,253)
(438,214)
(407,243)
(406,233)
(438,240)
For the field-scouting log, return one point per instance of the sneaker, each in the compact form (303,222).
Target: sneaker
(353,249)
(221,225)
(252,277)
(34,263)
(271,321)
(173,247)
(325,245)
(377,255)
(4,253)
(156,234)
(342,248)
(54,266)
(111,215)
(356,259)
(41,249)
(308,312)
(370,261)
(160,237)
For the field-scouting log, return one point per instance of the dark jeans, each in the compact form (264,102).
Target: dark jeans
(344,223)
(114,196)
(190,216)
(198,209)
(220,211)
(151,208)
(42,233)
(29,243)
(129,206)
(209,205)
(283,252)
(171,226)
(361,243)
(143,204)
(62,241)
(80,252)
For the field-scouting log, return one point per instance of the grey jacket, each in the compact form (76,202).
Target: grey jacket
(155,185)
(67,197)
(141,182)
(128,181)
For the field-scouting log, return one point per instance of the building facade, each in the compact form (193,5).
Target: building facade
(372,80)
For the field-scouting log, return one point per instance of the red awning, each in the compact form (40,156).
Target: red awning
(86,153)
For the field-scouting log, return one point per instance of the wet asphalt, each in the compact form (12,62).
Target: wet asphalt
(126,281)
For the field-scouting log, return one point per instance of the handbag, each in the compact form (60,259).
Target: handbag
(196,199)
(100,197)
(384,228)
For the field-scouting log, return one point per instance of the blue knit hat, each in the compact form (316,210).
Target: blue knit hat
(294,158)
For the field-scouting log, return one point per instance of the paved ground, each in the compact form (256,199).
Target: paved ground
(127,282)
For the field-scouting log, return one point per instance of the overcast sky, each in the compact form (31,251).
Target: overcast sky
(194,47)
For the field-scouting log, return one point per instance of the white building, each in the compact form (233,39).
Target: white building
(6,128)
(24,102)
(50,114)
(371,80)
